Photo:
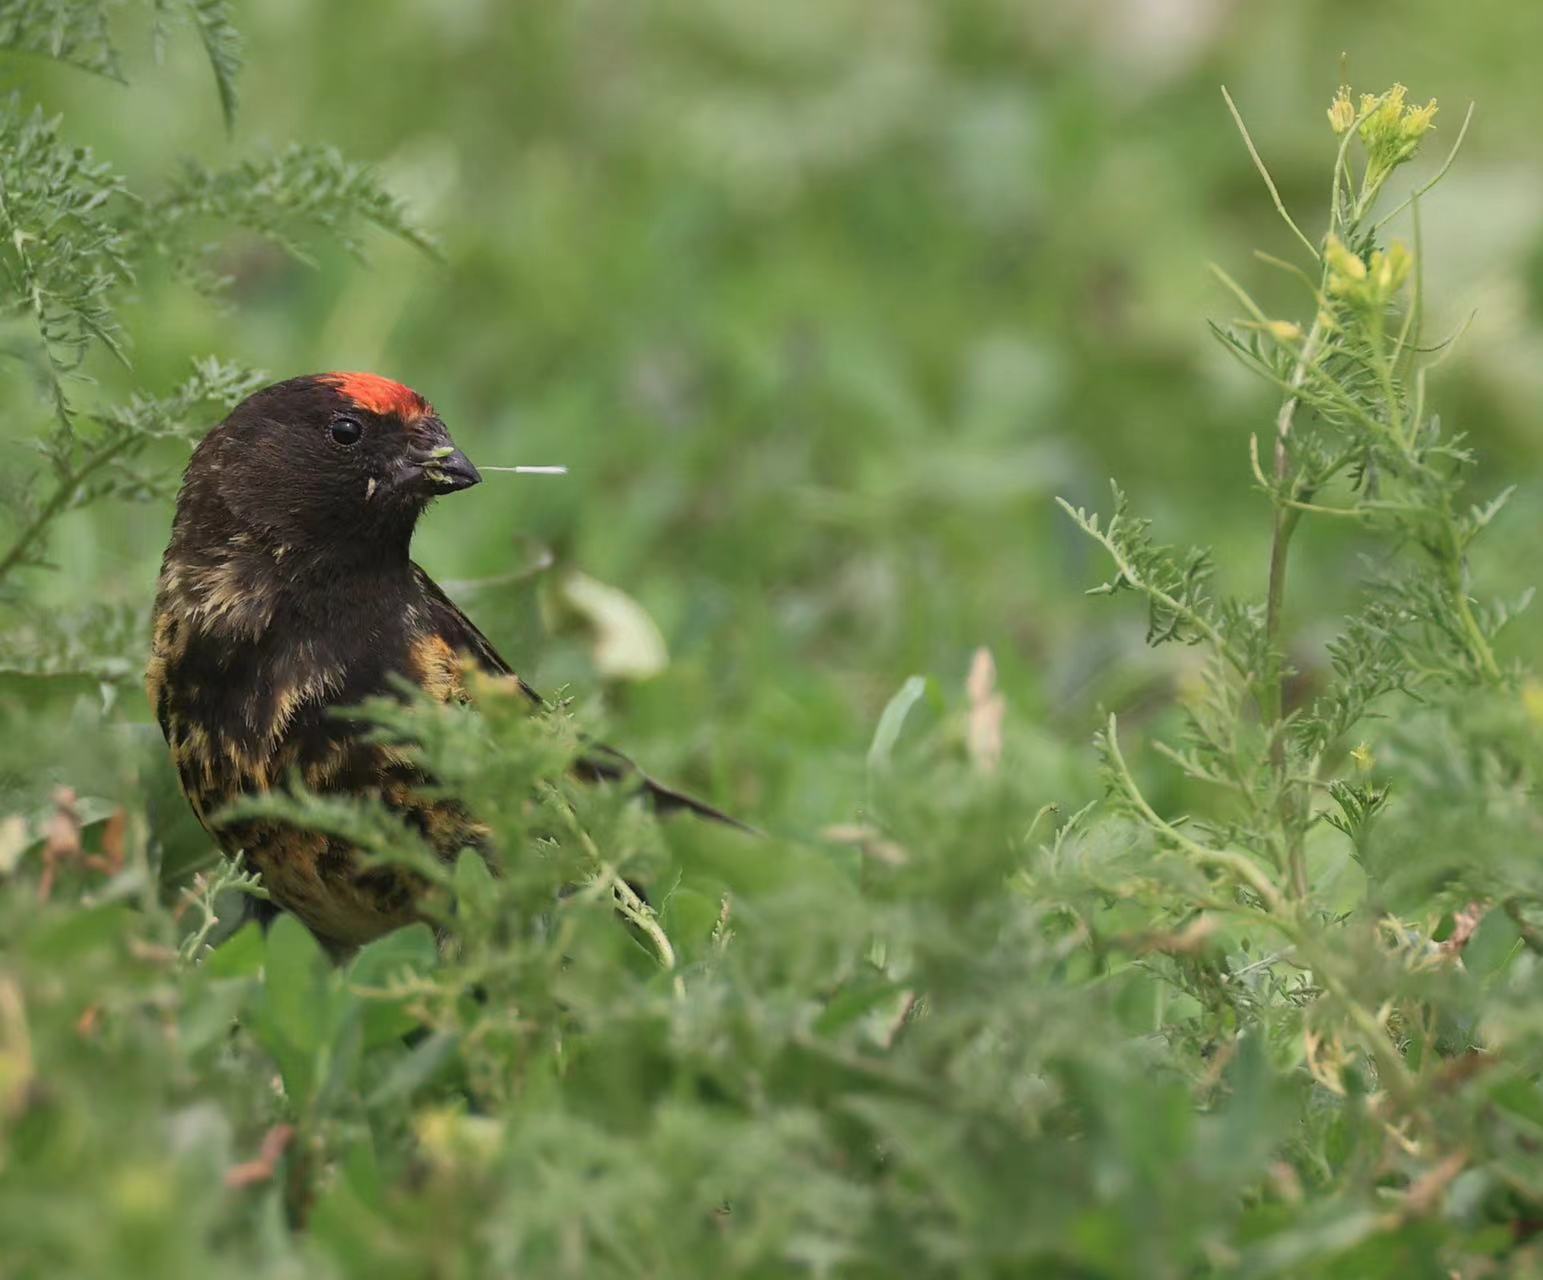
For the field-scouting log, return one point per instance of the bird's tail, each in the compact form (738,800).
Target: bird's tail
(601,763)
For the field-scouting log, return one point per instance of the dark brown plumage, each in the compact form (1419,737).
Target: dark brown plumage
(287,591)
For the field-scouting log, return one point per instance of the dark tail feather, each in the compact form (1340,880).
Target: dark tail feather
(601,763)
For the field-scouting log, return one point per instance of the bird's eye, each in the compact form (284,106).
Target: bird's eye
(345,431)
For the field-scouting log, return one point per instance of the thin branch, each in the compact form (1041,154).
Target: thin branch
(1440,174)
(59,502)
(1280,205)
(1356,513)
(1292,267)
(1240,866)
(1128,572)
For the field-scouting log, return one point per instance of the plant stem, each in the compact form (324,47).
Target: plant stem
(1285,521)
(630,905)
(1392,1069)
(1530,934)
(1483,654)
(1240,866)
(1272,701)
(1128,571)
(59,502)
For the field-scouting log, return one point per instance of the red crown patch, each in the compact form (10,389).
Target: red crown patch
(380,395)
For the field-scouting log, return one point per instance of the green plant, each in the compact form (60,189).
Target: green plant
(1247,1016)
(1360,978)
(75,238)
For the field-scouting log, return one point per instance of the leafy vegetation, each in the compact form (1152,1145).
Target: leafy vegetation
(1246,988)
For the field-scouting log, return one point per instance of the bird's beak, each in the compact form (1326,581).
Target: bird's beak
(446,468)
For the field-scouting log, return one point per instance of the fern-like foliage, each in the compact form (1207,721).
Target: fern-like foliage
(1353,440)
(1175,583)
(73,236)
(72,31)
(222,43)
(95,459)
(63,252)
(288,197)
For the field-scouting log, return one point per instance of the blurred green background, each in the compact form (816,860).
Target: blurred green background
(822,301)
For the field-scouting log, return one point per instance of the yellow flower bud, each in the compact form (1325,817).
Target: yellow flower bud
(1342,111)
(1284,330)
(1391,131)
(143,1192)
(1346,270)
(1389,270)
(1418,121)
(1392,105)
(1365,762)
(1341,260)
(1532,700)
(451,1138)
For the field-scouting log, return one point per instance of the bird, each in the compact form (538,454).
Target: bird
(287,592)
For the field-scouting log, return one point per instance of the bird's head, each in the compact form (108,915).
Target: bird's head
(330,461)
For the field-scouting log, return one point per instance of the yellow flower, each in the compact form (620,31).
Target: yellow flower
(1373,285)
(1382,114)
(1364,760)
(452,1139)
(1342,111)
(1393,100)
(1418,121)
(1391,131)
(1341,260)
(1389,270)
(1284,330)
(1532,700)
(1346,270)
(143,1192)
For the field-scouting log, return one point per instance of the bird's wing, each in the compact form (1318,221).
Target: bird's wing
(599,762)
(462,634)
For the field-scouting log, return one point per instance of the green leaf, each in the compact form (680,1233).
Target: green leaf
(81,932)
(295,973)
(406,953)
(77,33)
(892,721)
(222,44)
(1521,1098)
(240,955)
(854,1000)
(1493,943)
(210,1013)
(476,892)
(415,1068)
(411,950)
(688,916)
